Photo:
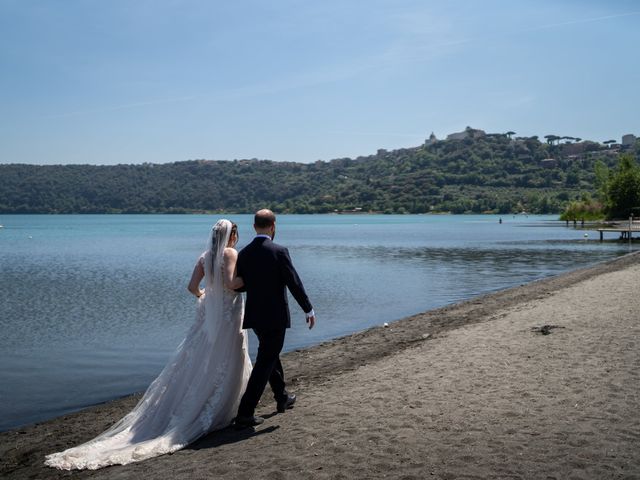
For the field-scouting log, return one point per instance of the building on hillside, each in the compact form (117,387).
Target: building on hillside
(629,140)
(549,163)
(466,133)
(431,140)
(457,136)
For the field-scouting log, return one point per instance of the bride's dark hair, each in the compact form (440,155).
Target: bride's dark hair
(234,230)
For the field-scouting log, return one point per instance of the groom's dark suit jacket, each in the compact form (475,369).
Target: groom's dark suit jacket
(267,272)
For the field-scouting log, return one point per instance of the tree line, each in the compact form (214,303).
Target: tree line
(617,193)
(492,173)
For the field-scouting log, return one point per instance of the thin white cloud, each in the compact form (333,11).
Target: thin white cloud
(423,51)
(376,134)
(122,107)
(418,47)
(576,22)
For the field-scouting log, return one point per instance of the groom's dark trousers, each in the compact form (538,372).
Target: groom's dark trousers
(267,272)
(267,368)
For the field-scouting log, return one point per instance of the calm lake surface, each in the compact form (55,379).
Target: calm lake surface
(93,305)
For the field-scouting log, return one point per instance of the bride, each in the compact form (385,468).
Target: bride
(200,387)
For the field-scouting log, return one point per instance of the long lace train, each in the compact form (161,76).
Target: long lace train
(197,392)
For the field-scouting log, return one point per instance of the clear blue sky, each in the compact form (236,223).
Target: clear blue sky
(131,81)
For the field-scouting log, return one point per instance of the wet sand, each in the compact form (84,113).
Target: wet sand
(466,391)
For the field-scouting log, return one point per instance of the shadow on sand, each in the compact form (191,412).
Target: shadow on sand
(231,435)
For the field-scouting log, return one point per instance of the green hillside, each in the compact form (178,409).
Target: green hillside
(481,173)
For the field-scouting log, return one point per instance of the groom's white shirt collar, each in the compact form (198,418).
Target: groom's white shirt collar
(263,235)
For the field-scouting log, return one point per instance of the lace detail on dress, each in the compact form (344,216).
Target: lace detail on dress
(209,410)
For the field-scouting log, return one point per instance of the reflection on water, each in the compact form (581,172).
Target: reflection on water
(92,305)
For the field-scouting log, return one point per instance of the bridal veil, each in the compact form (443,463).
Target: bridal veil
(199,389)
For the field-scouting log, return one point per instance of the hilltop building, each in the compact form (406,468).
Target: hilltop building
(466,133)
(629,140)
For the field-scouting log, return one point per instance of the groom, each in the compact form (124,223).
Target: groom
(266,269)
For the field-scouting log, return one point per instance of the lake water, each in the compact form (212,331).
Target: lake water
(91,306)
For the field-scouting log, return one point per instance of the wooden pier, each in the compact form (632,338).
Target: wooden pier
(625,229)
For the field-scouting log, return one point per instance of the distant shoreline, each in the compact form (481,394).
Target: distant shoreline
(288,213)
(480,173)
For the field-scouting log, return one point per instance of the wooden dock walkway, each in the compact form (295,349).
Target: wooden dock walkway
(625,229)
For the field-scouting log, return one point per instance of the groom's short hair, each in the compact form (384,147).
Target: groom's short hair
(264,218)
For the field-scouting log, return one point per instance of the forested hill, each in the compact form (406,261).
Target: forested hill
(490,173)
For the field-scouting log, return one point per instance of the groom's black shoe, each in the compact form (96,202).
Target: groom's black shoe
(252,421)
(286,403)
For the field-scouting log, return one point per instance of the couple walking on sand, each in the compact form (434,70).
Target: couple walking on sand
(209,381)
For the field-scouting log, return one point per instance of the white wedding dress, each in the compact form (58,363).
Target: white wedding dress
(197,392)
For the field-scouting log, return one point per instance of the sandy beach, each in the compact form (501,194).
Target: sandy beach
(466,391)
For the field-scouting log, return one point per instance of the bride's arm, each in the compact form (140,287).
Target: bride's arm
(231,280)
(196,278)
